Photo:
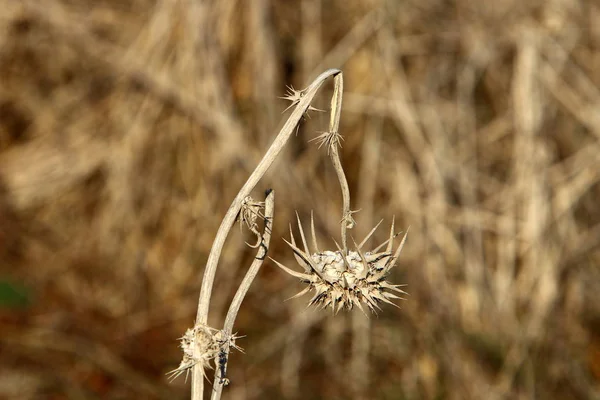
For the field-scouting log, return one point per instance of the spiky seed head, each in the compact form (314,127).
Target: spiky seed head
(346,280)
(209,341)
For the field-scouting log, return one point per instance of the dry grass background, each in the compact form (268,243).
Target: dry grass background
(127,127)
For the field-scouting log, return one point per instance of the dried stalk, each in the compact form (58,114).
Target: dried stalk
(334,126)
(244,286)
(301,102)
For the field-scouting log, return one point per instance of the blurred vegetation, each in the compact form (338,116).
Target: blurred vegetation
(13,295)
(127,127)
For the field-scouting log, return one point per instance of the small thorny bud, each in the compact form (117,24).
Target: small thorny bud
(210,342)
(344,281)
(251,210)
(329,140)
(295,96)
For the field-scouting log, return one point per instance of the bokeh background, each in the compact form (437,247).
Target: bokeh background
(127,128)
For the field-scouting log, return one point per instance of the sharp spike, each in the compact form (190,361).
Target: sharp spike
(306,259)
(388,302)
(346,283)
(392,236)
(293,96)
(384,243)
(365,271)
(339,307)
(368,298)
(389,285)
(292,236)
(369,235)
(312,229)
(379,275)
(357,303)
(392,296)
(390,263)
(374,306)
(299,259)
(300,294)
(343,255)
(333,302)
(292,272)
(375,258)
(172,375)
(316,298)
(302,235)
(374,295)
(290,106)
(394,288)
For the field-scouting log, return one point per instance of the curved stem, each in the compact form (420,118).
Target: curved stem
(211,264)
(346,215)
(334,126)
(245,285)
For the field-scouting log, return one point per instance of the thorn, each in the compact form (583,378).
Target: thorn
(393,260)
(392,236)
(369,235)
(312,229)
(328,139)
(299,275)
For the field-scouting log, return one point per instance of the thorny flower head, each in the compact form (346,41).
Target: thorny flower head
(210,343)
(347,280)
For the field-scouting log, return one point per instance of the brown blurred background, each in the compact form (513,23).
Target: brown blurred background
(127,128)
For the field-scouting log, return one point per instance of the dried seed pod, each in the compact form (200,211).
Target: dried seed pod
(210,341)
(344,281)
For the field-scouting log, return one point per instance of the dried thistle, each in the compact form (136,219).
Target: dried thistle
(209,341)
(301,103)
(347,280)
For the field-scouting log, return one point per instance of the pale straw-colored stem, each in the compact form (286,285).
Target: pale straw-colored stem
(337,165)
(334,126)
(245,285)
(211,264)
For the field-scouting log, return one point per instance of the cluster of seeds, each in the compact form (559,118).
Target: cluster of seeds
(344,279)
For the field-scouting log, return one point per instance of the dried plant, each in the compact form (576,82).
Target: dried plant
(249,214)
(476,123)
(341,279)
(344,280)
(212,344)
